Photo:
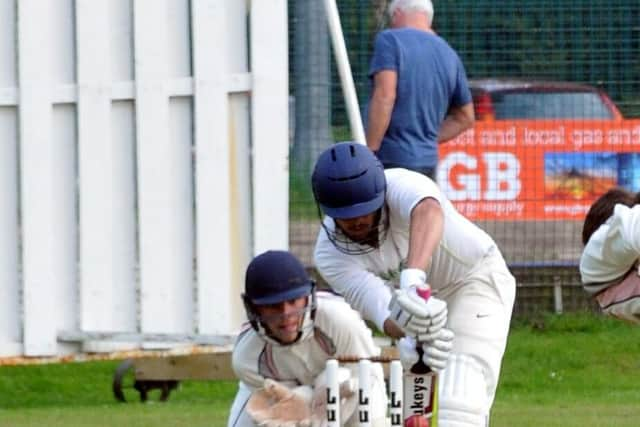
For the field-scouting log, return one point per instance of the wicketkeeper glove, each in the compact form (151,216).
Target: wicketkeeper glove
(275,405)
(435,352)
(417,317)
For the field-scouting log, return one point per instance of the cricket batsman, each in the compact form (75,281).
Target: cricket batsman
(386,233)
(281,355)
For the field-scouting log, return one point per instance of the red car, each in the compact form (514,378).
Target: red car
(538,150)
(516,99)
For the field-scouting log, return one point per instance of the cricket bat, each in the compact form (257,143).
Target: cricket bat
(420,389)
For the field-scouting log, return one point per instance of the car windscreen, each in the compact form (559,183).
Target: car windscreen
(549,105)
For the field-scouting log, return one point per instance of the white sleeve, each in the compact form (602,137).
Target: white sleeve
(405,189)
(623,238)
(364,291)
(344,325)
(244,359)
(612,249)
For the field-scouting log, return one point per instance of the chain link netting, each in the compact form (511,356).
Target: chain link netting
(558,166)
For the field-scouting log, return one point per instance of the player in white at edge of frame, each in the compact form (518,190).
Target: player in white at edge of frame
(383,225)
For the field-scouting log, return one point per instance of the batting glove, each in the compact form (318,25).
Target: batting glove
(408,353)
(412,277)
(435,353)
(415,316)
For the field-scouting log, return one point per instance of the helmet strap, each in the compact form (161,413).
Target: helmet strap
(251,314)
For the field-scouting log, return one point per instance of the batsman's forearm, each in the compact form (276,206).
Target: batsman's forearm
(427,223)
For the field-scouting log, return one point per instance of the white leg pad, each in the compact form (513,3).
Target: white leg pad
(463,400)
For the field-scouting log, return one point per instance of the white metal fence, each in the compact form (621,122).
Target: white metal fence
(143,161)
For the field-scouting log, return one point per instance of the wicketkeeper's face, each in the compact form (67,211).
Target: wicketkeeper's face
(283,320)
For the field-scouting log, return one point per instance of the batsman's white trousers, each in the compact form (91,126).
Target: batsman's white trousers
(479,314)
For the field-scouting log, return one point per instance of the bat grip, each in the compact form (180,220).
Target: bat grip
(424,292)
(420,368)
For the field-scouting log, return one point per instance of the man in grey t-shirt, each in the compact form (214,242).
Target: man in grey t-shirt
(420,95)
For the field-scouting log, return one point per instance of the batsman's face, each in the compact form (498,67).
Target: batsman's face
(359,228)
(283,320)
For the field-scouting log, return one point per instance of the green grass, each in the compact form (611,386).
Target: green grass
(341,133)
(571,370)
(302,205)
(80,395)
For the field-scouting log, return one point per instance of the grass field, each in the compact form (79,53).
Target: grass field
(571,370)
(302,205)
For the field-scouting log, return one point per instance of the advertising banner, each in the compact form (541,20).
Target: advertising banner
(538,169)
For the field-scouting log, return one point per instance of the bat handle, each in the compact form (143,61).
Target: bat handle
(424,292)
(420,368)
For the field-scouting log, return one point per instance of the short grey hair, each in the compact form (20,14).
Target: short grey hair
(425,6)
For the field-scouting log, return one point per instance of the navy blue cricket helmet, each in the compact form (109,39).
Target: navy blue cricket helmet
(274,277)
(348,181)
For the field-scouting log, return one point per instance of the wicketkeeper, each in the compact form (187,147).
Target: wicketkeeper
(280,357)
(386,232)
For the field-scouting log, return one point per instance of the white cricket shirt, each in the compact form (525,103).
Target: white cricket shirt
(364,280)
(612,249)
(339,331)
